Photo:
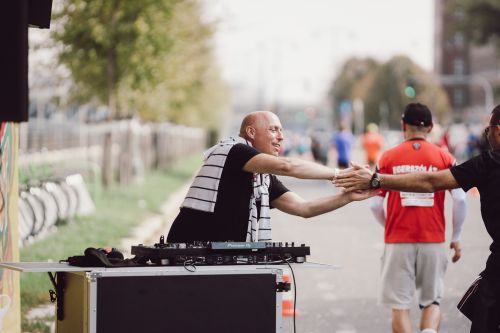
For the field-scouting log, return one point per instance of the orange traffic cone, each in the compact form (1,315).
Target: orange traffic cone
(288,303)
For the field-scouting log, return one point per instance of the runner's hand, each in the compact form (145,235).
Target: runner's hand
(458,251)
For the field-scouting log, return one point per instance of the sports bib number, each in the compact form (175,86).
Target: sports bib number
(411,199)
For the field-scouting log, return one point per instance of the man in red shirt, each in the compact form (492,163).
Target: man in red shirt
(414,256)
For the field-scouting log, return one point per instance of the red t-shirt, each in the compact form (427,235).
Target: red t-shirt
(415,217)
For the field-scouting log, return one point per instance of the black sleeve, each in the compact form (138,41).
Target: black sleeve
(240,154)
(276,189)
(469,173)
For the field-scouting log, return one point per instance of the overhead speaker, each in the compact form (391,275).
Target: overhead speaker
(14,61)
(39,12)
(15,17)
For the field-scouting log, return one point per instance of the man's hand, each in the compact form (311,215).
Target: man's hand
(458,251)
(358,195)
(355,178)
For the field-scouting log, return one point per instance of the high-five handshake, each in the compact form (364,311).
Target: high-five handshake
(357,177)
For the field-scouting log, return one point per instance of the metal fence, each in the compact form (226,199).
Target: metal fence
(118,150)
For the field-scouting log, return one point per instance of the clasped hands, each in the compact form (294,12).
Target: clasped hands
(355,181)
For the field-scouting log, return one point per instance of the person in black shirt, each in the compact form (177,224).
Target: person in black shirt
(482,172)
(232,194)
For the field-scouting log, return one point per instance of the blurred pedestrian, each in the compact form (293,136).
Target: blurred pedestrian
(414,256)
(342,141)
(372,143)
(472,145)
(483,172)
(445,140)
(318,151)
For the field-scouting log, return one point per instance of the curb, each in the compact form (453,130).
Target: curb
(149,231)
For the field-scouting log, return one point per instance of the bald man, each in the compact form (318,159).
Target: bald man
(231,196)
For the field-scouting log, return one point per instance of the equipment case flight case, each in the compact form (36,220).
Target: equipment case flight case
(164,299)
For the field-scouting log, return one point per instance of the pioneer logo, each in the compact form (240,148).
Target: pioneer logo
(239,246)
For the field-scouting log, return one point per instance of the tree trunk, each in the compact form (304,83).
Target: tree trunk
(107,165)
(112,63)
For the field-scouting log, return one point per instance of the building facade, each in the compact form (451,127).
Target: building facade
(468,72)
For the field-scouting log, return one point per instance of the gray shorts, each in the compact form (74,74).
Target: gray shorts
(407,267)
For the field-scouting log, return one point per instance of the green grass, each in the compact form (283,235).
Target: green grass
(118,211)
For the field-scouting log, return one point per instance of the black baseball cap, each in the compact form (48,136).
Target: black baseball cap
(417,114)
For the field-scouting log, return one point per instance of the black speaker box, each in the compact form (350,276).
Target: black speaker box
(14,61)
(15,17)
(39,12)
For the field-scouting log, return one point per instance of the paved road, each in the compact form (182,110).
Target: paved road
(345,300)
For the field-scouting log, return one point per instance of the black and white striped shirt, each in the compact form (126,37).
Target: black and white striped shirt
(225,202)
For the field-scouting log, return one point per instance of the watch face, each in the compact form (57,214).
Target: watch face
(375,182)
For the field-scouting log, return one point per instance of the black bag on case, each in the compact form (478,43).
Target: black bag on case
(101,258)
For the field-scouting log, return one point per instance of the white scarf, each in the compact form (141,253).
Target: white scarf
(202,194)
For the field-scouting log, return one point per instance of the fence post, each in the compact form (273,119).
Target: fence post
(107,167)
(125,168)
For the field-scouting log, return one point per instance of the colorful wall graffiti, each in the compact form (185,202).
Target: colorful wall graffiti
(10,317)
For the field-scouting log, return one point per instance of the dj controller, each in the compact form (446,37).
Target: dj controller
(221,253)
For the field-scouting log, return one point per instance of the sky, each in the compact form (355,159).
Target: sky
(291,50)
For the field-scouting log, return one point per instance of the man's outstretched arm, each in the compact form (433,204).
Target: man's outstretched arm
(358,178)
(285,166)
(291,203)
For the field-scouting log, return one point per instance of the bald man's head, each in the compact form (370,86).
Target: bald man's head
(252,119)
(263,129)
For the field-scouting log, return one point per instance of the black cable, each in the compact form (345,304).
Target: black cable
(190,265)
(294,292)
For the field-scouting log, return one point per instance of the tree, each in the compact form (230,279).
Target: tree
(108,43)
(383,89)
(481,21)
(191,90)
(151,57)
(354,81)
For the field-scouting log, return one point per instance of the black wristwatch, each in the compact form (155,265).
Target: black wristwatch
(375,181)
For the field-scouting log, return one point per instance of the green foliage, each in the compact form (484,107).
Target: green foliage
(353,71)
(38,325)
(387,86)
(151,57)
(192,92)
(108,42)
(353,81)
(481,20)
